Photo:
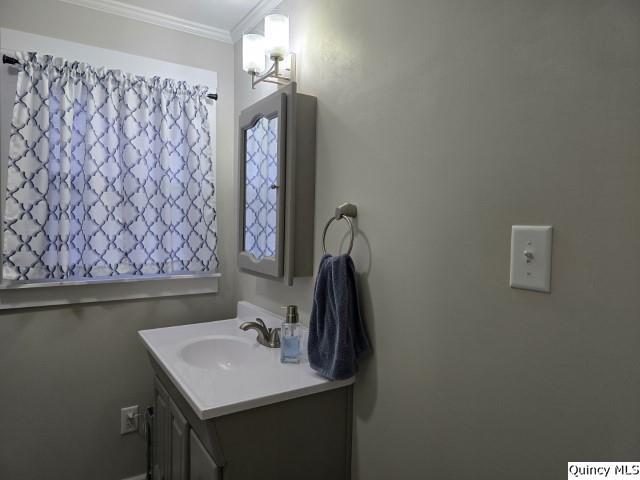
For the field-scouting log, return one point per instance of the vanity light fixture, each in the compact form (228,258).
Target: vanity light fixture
(275,45)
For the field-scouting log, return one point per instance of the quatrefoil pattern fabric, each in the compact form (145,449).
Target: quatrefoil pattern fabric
(108,174)
(261,191)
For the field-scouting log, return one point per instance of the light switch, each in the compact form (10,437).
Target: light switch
(531,257)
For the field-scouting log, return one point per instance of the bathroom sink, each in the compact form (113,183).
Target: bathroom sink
(221,369)
(219,352)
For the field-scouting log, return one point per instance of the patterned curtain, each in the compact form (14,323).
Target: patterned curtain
(109,174)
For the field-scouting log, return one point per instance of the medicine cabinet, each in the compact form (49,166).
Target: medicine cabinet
(276,191)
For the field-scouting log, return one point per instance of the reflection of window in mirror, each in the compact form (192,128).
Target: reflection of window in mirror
(261,184)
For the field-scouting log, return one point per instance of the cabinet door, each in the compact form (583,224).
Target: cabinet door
(179,439)
(160,433)
(202,465)
(262,129)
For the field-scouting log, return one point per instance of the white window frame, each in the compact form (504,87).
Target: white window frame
(64,292)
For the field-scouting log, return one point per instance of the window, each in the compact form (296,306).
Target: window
(109,176)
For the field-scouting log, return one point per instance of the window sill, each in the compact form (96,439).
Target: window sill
(43,294)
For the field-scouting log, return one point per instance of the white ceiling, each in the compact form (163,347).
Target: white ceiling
(223,20)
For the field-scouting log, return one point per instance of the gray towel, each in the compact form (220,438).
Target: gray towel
(337,336)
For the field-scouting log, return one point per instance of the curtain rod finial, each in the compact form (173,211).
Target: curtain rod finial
(9,60)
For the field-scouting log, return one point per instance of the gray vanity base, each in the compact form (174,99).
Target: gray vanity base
(304,438)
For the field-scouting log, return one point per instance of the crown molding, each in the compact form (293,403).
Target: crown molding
(156,18)
(251,19)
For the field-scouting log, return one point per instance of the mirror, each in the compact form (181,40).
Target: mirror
(262,156)
(261,185)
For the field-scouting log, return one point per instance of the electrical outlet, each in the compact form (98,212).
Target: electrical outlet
(129,419)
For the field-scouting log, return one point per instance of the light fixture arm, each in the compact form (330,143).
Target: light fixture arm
(273,74)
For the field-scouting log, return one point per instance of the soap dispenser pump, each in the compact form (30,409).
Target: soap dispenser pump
(291,336)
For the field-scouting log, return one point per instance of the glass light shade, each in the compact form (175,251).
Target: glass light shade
(253,53)
(276,33)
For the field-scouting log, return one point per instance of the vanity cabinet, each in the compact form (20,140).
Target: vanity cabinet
(308,437)
(171,439)
(179,443)
(160,433)
(202,465)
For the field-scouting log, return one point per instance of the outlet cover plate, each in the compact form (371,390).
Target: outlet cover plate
(129,419)
(531,257)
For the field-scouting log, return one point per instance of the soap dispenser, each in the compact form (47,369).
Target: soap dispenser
(291,336)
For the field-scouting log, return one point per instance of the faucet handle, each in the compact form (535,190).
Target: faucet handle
(261,322)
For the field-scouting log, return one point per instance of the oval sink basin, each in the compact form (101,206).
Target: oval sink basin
(225,353)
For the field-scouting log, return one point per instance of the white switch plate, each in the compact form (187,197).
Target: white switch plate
(531,257)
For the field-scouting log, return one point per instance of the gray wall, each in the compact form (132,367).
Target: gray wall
(66,372)
(447,122)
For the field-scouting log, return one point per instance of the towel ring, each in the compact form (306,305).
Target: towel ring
(346,211)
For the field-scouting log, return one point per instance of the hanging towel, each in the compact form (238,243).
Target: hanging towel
(337,336)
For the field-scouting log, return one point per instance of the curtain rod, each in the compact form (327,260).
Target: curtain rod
(14,61)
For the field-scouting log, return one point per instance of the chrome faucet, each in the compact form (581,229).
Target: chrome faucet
(269,337)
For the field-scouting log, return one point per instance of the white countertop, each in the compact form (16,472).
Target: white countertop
(247,377)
